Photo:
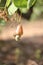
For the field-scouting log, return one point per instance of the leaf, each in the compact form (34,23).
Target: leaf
(24,10)
(2,22)
(2,3)
(12,9)
(31,3)
(8,2)
(20,3)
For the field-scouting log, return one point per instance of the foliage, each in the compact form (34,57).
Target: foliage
(2,3)
(20,3)
(2,22)
(37,10)
(13,5)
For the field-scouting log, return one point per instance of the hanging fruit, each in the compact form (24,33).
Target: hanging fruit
(19,32)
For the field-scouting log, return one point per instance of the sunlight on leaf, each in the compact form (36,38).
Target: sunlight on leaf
(12,9)
(20,3)
(8,2)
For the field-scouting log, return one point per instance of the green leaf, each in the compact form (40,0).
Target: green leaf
(24,10)
(20,3)
(2,22)
(12,9)
(30,3)
(2,3)
(8,2)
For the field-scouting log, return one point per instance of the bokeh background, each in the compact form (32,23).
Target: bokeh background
(29,49)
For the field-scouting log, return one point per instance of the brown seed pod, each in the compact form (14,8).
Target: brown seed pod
(19,30)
